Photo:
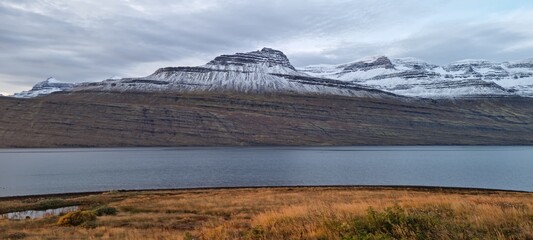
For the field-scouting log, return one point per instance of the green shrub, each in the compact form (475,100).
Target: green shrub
(134,210)
(17,235)
(51,203)
(257,233)
(76,218)
(189,236)
(395,223)
(89,224)
(105,210)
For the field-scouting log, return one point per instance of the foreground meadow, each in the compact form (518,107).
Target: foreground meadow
(279,213)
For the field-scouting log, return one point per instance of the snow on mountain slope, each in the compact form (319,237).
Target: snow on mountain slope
(269,70)
(263,71)
(46,87)
(416,78)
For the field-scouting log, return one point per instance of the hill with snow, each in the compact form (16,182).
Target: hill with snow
(416,78)
(270,71)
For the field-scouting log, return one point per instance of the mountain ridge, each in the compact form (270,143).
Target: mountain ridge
(269,70)
(260,99)
(144,119)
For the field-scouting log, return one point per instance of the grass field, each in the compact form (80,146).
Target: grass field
(283,213)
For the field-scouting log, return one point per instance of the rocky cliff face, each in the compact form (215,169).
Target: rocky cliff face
(266,57)
(369,64)
(103,119)
(270,71)
(46,87)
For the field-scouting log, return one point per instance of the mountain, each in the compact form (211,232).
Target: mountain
(46,87)
(131,119)
(263,71)
(260,98)
(416,78)
(270,71)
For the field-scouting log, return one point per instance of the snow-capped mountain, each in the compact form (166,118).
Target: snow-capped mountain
(416,78)
(262,71)
(46,87)
(269,70)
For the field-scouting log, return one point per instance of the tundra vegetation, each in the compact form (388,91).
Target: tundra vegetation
(279,213)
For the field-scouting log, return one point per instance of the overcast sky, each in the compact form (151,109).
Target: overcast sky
(91,40)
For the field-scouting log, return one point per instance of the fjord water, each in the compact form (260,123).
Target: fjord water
(44,171)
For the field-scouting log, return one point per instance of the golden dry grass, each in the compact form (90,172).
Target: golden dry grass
(289,213)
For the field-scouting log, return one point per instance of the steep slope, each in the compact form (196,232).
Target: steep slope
(46,87)
(264,71)
(90,119)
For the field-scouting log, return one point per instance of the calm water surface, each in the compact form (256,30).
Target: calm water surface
(41,171)
(34,214)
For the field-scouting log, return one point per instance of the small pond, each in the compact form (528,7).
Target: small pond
(33,214)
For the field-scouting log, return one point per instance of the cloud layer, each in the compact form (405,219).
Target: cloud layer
(78,40)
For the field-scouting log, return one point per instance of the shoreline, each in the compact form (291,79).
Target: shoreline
(295,212)
(109,147)
(352,187)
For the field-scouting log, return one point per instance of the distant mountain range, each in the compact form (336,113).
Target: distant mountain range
(270,71)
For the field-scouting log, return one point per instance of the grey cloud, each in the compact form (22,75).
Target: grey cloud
(438,44)
(347,52)
(91,40)
(484,41)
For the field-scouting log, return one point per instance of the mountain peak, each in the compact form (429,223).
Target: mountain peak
(267,49)
(52,80)
(48,83)
(45,87)
(526,63)
(265,56)
(470,62)
(369,63)
(272,52)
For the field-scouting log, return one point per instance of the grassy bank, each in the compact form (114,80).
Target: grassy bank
(283,213)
